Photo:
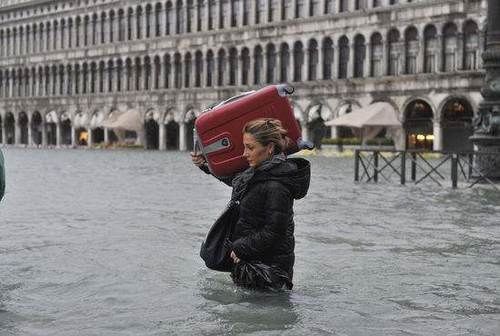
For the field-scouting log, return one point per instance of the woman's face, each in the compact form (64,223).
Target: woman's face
(255,152)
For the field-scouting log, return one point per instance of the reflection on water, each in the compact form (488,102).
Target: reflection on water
(107,242)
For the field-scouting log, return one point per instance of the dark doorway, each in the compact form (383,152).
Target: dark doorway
(51,129)
(23,127)
(97,135)
(66,132)
(36,128)
(10,129)
(190,134)
(172,135)
(152,130)
(457,126)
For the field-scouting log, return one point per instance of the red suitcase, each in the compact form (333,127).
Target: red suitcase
(218,131)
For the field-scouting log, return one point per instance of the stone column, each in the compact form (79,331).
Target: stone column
(106,136)
(228,16)
(251,70)
(438,136)
(251,14)
(18,132)
(73,136)
(98,31)
(58,134)
(421,55)
(336,62)
(182,136)
(350,66)
(439,54)
(460,51)
(44,133)
(89,138)
(162,137)
(367,63)
(30,131)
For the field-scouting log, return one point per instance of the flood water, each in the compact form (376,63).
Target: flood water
(96,242)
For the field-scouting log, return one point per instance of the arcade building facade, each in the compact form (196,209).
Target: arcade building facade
(68,66)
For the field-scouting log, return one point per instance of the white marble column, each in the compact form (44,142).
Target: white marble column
(30,131)
(420,55)
(73,136)
(89,138)
(439,54)
(350,66)
(438,136)
(367,62)
(162,137)
(182,136)
(44,134)
(58,134)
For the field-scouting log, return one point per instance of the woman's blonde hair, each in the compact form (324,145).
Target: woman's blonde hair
(266,131)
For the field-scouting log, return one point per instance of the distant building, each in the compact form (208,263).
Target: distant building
(67,66)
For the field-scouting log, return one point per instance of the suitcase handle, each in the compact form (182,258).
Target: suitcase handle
(285,90)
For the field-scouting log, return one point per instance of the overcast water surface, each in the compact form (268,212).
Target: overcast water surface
(106,243)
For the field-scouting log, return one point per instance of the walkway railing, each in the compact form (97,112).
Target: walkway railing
(371,165)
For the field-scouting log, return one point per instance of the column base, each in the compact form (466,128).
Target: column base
(487,160)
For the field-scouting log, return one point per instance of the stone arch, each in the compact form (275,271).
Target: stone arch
(270,63)
(65,128)
(36,128)
(96,127)
(393,52)
(284,62)
(418,119)
(233,66)
(51,119)
(10,128)
(298,61)
(456,115)
(328,54)
(431,49)
(450,46)
(344,51)
(411,50)
(172,129)
(471,45)
(312,60)
(359,56)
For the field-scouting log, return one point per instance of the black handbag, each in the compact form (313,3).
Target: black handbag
(217,246)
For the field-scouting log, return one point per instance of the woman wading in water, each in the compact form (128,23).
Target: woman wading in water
(264,230)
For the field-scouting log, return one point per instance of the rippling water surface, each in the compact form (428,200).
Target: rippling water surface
(106,243)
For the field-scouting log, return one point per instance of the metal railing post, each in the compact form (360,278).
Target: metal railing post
(454,170)
(356,165)
(403,167)
(375,166)
(413,166)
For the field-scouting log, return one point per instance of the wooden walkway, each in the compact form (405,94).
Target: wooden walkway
(371,165)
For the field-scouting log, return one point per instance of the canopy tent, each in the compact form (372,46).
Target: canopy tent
(128,121)
(367,122)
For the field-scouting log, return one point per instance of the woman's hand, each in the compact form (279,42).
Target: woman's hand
(198,159)
(234,257)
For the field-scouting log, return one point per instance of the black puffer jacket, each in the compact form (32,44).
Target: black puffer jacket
(265,228)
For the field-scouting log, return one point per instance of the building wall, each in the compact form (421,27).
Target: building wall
(69,61)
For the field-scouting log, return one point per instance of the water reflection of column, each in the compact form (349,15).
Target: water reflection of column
(182,136)
(163,137)
(438,136)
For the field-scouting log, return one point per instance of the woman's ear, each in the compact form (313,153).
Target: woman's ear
(270,148)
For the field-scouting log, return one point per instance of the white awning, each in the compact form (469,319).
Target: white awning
(51,117)
(379,114)
(81,120)
(128,121)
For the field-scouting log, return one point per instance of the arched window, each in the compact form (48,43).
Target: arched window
(111,75)
(431,49)
(450,47)
(177,71)
(233,66)
(14,41)
(285,62)
(86,30)
(245,66)
(70,33)
(359,56)
(360,4)
(260,11)
(343,6)
(169,18)
(312,58)
(272,9)
(128,75)
(314,8)
(60,73)
(167,72)
(411,50)
(471,46)
(299,8)
(55,32)
(94,29)
(377,55)
(271,63)
(48,37)
(210,68)
(111,27)
(179,17)
(343,56)
(63,34)
(188,63)
(258,62)
(189,16)
(121,26)
(93,77)
(329,6)
(157,16)
(393,52)
(77,78)
(156,73)
(130,18)
(198,64)
(138,23)
(21,40)
(119,75)
(102,25)
(327,50)
(200,8)
(149,17)
(138,74)
(246,12)
(102,69)
(2,44)
(212,10)
(286,9)
(235,6)
(78,30)
(298,61)
(222,66)
(147,73)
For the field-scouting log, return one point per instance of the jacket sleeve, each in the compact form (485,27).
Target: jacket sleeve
(278,209)
(228,180)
